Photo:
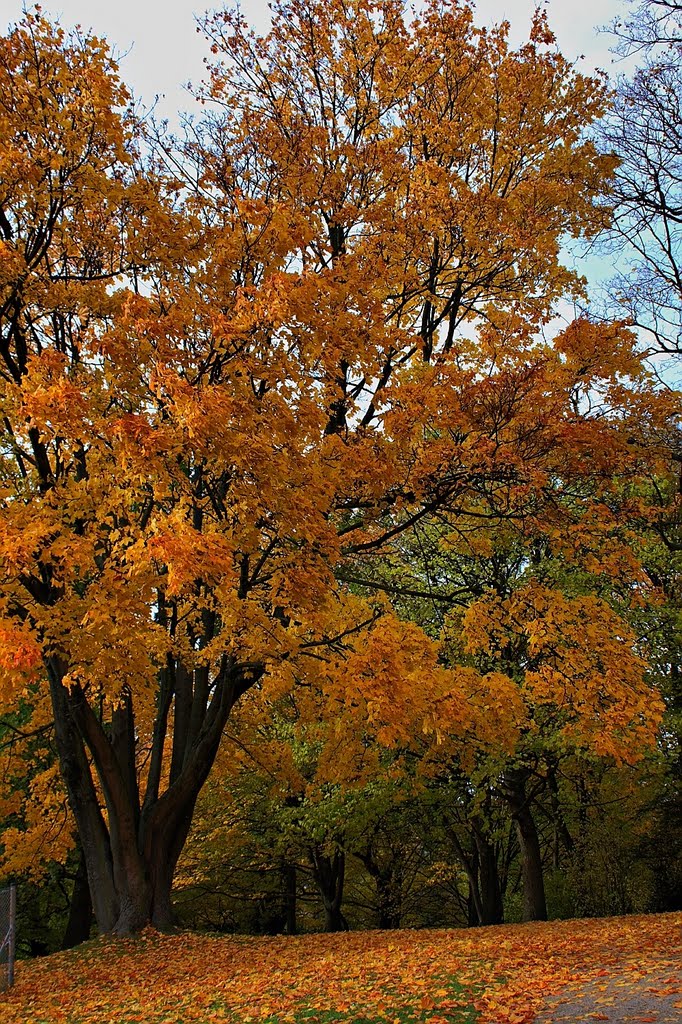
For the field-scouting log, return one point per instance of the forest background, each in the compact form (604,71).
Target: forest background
(340,568)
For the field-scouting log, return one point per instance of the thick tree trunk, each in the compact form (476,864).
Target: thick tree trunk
(329,874)
(84,802)
(534,902)
(388,896)
(80,909)
(334,921)
(131,851)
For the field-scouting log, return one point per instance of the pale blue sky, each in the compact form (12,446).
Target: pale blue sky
(163,49)
(160,47)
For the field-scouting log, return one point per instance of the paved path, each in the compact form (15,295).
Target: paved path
(631,996)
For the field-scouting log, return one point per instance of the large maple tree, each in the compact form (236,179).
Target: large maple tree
(236,365)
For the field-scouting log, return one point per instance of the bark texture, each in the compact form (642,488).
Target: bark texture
(534,901)
(329,873)
(131,851)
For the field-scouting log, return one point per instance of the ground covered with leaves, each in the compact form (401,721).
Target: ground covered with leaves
(506,975)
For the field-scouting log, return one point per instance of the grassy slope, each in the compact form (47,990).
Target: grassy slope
(437,977)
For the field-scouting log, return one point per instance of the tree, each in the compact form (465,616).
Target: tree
(644,129)
(222,364)
(37,838)
(653,24)
(560,668)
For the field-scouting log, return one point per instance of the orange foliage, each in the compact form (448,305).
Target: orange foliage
(505,973)
(223,384)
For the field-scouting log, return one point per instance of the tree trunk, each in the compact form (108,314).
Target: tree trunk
(84,802)
(474,901)
(334,921)
(290,898)
(492,908)
(329,874)
(387,878)
(80,909)
(131,851)
(484,898)
(534,902)
(388,893)
(562,836)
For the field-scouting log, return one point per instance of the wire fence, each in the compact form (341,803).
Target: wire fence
(8,933)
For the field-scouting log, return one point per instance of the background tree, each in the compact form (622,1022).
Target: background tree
(37,838)
(644,129)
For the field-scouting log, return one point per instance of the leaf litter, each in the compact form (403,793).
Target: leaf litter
(511,974)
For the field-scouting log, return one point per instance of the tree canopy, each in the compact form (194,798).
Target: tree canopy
(241,368)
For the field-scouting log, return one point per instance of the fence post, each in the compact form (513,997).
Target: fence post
(12,933)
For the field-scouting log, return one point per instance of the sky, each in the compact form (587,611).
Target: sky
(161,50)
